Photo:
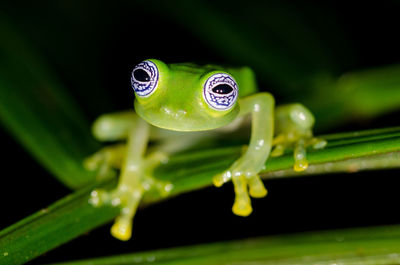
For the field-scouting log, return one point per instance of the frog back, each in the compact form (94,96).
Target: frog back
(246,80)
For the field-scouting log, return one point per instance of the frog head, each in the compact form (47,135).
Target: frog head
(184,97)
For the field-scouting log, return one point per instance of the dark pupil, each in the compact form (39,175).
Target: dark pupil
(141,75)
(222,89)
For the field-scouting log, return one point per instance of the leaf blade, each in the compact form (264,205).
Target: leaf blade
(74,214)
(372,245)
(39,112)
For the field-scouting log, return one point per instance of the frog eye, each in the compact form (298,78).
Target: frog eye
(144,78)
(220,91)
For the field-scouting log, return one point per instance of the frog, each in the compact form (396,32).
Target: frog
(180,104)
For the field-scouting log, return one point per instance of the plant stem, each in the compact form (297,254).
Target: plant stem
(73,215)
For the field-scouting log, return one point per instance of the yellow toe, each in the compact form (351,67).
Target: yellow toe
(258,192)
(242,208)
(122,230)
(218,180)
(300,166)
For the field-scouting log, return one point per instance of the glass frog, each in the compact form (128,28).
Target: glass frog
(179,104)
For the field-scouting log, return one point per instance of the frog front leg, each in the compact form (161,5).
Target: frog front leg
(244,171)
(135,168)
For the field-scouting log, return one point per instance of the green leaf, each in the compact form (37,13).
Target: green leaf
(51,227)
(197,167)
(73,216)
(282,48)
(362,246)
(40,113)
(365,94)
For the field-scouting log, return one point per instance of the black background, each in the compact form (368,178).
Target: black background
(97,44)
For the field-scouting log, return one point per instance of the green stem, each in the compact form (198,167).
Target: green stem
(382,161)
(73,216)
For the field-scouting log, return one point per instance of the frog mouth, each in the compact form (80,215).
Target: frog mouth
(180,120)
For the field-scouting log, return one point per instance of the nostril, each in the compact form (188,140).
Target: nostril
(165,110)
(174,113)
(181,113)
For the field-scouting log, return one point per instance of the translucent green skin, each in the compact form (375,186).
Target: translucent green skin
(177,104)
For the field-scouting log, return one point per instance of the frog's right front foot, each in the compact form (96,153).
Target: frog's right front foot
(129,192)
(122,197)
(127,198)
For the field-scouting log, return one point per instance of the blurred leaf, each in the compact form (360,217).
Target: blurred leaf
(281,44)
(73,216)
(357,95)
(272,37)
(40,113)
(362,246)
(51,227)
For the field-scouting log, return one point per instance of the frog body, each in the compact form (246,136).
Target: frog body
(199,102)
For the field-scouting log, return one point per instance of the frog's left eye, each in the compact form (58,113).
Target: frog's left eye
(144,78)
(220,91)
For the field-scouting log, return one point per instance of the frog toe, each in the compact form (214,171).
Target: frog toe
(122,228)
(300,165)
(128,201)
(242,204)
(300,156)
(97,162)
(164,188)
(221,179)
(278,150)
(256,187)
(105,160)
(242,207)
(99,198)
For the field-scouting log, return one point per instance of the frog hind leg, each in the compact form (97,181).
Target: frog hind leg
(294,124)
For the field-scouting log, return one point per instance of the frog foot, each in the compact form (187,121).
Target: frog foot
(128,194)
(299,144)
(125,198)
(105,160)
(245,184)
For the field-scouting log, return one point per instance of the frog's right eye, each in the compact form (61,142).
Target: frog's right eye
(220,91)
(144,78)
